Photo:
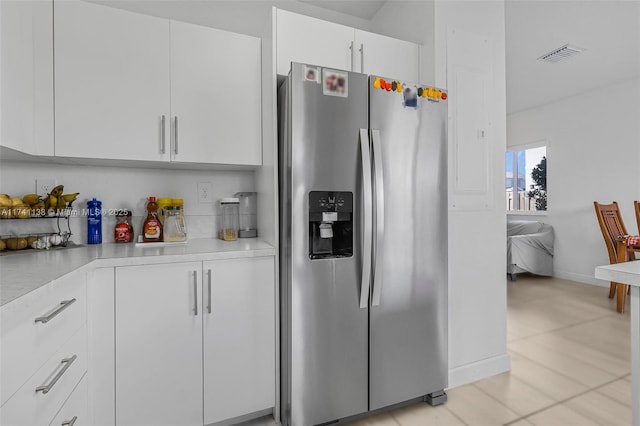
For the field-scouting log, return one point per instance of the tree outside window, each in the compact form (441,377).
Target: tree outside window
(539,191)
(526,179)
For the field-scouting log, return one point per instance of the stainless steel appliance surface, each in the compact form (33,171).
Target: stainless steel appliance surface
(363,244)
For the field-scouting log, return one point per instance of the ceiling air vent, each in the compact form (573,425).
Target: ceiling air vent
(561,53)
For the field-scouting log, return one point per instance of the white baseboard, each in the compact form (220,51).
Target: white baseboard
(581,278)
(479,370)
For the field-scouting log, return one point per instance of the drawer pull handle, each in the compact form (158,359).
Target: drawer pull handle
(67,363)
(63,305)
(69,422)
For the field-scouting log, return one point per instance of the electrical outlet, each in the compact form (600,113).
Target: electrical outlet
(204,192)
(44,186)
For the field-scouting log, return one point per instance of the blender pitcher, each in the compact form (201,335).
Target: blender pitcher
(248,214)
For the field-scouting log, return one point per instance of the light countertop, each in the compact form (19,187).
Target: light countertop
(22,273)
(629,273)
(626,273)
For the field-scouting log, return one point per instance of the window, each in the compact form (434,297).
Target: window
(526,178)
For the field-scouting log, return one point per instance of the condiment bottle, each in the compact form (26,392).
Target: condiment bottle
(94,221)
(152,228)
(163,203)
(123,232)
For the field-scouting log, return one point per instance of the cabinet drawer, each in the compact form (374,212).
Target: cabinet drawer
(30,405)
(26,343)
(74,410)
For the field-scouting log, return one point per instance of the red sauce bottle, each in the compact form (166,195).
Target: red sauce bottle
(123,232)
(152,228)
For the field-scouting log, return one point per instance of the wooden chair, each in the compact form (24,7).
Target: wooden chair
(614,234)
(636,207)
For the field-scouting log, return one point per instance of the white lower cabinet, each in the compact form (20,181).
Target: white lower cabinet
(194,341)
(35,326)
(43,350)
(239,338)
(40,398)
(101,374)
(74,410)
(159,345)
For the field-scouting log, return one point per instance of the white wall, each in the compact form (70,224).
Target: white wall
(121,187)
(411,21)
(477,249)
(593,155)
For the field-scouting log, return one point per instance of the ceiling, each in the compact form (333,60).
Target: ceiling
(365,9)
(607,30)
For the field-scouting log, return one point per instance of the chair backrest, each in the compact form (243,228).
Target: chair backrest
(611,225)
(636,205)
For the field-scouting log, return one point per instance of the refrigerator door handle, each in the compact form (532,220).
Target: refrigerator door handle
(367,227)
(379,242)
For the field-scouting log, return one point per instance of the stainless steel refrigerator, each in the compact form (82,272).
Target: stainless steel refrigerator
(363,223)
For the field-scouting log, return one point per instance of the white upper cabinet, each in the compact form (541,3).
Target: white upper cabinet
(386,56)
(215,96)
(135,87)
(111,83)
(300,38)
(313,41)
(26,76)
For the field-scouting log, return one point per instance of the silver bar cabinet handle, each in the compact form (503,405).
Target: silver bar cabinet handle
(195,292)
(351,55)
(379,184)
(63,305)
(361,50)
(69,422)
(67,363)
(175,135)
(162,135)
(367,227)
(209,289)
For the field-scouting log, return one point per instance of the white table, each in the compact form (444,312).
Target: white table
(629,273)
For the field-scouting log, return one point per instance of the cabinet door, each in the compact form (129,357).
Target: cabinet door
(215,96)
(239,337)
(101,339)
(111,82)
(74,410)
(386,57)
(159,345)
(313,41)
(26,76)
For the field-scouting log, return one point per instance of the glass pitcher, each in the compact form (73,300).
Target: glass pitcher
(174,229)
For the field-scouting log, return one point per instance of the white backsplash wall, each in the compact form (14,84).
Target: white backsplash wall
(119,188)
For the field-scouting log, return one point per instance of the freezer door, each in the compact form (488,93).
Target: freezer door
(408,315)
(325,331)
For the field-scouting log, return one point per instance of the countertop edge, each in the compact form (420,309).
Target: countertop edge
(112,255)
(626,273)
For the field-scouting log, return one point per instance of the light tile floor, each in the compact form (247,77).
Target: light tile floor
(570,365)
